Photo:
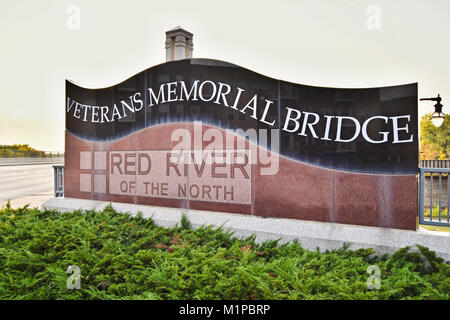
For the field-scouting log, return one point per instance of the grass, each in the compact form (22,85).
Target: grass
(123,257)
(435,213)
(435,228)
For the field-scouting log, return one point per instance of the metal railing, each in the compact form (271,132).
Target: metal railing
(434,163)
(59,180)
(439,214)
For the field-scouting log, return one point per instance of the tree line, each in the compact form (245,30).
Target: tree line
(434,141)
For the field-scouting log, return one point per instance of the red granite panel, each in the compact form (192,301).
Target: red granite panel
(297,191)
(356,200)
(159,137)
(376,200)
(72,169)
(162,202)
(127,143)
(405,202)
(220,206)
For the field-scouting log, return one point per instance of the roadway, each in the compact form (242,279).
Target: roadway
(32,184)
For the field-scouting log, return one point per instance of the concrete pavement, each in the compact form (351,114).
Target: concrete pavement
(32,184)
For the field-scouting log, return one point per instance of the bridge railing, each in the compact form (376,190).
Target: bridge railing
(59,180)
(435,210)
(434,164)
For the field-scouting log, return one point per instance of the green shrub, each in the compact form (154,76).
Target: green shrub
(124,257)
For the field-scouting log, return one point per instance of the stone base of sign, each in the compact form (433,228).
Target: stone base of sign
(310,234)
(295,190)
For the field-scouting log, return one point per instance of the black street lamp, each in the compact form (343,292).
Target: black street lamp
(437,118)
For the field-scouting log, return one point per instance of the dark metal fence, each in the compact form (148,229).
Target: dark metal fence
(59,180)
(437,213)
(434,164)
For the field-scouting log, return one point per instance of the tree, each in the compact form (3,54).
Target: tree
(21,151)
(434,141)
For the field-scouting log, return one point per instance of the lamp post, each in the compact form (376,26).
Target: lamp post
(437,118)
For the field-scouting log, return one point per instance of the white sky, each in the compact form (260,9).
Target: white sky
(315,42)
